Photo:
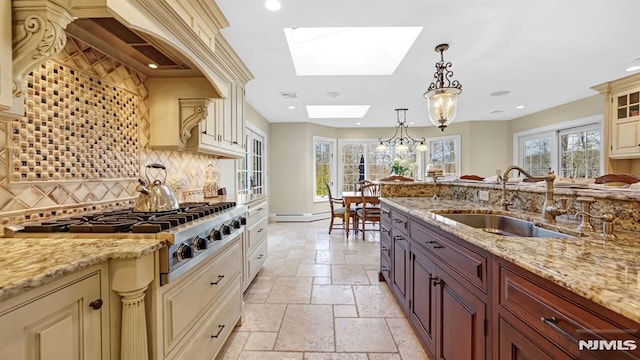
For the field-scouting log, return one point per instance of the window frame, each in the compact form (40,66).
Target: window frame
(458,149)
(332,167)
(250,132)
(556,130)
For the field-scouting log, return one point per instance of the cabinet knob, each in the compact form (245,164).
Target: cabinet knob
(96,304)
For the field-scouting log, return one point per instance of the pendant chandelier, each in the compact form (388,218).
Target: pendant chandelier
(442,94)
(401,140)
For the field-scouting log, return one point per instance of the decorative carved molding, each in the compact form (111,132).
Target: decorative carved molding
(192,111)
(38,28)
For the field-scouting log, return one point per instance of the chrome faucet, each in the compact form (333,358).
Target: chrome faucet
(549,210)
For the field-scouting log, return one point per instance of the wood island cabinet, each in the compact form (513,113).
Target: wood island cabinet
(447,311)
(541,320)
(385,244)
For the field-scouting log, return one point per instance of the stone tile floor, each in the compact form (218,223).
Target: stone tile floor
(318,298)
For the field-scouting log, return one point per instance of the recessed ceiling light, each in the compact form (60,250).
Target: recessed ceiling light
(412,123)
(496,111)
(500,93)
(153,66)
(520,107)
(633,68)
(272,5)
(291,107)
(349,50)
(357,123)
(333,94)
(337,111)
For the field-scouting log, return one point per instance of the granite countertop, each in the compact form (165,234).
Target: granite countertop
(603,270)
(240,199)
(31,262)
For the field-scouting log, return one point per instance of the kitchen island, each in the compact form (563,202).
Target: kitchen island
(583,283)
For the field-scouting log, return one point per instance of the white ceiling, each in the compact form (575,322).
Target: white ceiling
(545,52)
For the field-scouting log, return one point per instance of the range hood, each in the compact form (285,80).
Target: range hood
(130,47)
(135,32)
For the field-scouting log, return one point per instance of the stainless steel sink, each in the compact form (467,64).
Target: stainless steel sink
(504,225)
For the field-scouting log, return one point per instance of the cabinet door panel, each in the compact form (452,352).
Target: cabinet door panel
(423,297)
(400,256)
(462,320)
(58,326)
(514,345)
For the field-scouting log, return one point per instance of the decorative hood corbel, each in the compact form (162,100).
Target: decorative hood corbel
(38,34)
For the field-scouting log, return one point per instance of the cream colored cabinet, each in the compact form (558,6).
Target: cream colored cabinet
(6,82)
(621,118)
(625,124)
(187,114)
(233,123)
(197,313)
(205,21)
(67,319)
(255,245)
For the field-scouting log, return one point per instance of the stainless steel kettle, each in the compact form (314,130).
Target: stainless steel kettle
(155,195)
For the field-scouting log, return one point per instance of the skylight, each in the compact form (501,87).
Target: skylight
(349,50)
(337,111)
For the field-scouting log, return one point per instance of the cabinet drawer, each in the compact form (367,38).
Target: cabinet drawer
(468,263)
(256,258)
(400,222)
(561,321)
(385,249)
(211,334)
(385,231)
(385,270)
(385,214)
(189,298)
(257,212)
(256,233)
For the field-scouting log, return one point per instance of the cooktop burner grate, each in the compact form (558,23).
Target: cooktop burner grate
(127,220)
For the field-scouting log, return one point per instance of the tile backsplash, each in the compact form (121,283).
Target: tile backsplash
(84,140)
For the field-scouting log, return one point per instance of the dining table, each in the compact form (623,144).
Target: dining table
(353,197)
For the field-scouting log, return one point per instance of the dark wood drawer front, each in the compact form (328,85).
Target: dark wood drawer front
(400,223)
(559,320)
(385,249)
(385,231)
(385,213)
(471,265)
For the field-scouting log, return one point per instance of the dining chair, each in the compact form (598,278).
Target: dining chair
(369,210)
(338,211)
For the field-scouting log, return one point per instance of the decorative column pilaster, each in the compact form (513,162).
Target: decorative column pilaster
(133,345)
(38,34)
(130,279)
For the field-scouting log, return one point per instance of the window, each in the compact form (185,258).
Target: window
(251,168)
(536,150)
(446,151)
(324,165)
(359,160)
(571,149)
(580,152)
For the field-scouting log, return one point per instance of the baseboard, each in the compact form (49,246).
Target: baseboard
(300,217)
